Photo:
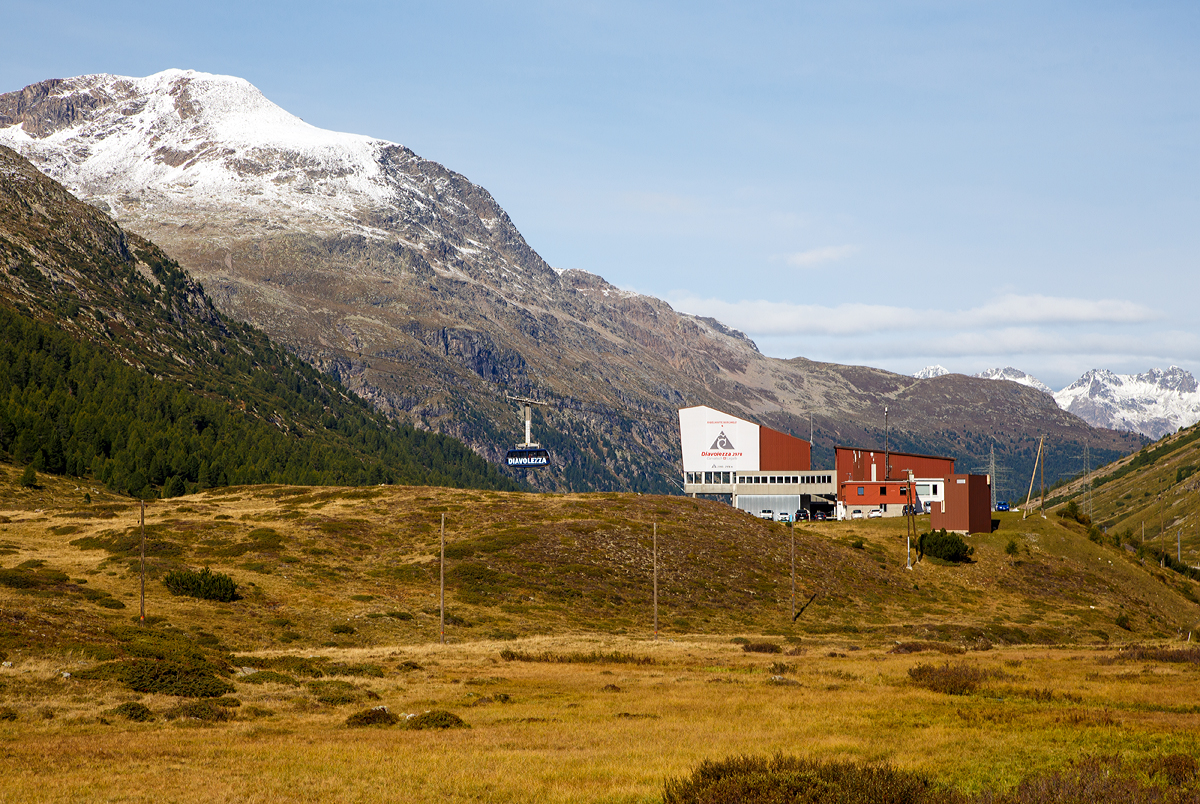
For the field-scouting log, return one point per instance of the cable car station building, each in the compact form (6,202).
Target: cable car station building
(757,468)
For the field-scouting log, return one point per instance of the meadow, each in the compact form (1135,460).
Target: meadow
(975,676)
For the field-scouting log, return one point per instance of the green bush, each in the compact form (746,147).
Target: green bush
(205,585)
(943,545)
(376,716)
(165,677)
(791,780)
(337,693)
(436,719)
(135,711)
(762,647)
(208,711)
(342,628)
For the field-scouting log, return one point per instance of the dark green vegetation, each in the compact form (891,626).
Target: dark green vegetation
(943,545)
(203,584)
(436,719)
(782,779)
(115,366)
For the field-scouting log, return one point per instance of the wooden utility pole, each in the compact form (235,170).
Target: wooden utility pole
(1037,460)
(655,580)
(142,620)
(443,581)
(1043,500)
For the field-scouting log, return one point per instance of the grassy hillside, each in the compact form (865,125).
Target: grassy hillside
(307,559)
(1035,654)
(1149,502)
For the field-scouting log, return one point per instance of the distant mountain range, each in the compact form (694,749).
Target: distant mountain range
(1154,403)
(411,285)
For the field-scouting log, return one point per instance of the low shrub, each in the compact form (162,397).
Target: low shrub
(311,667)
(1142,653)
(595,657)
(135,711)
(436,719)
(943,545)
(762,647)
(205,585)
(376,716)
(207,711)
(164,677)
(337,693)
(362,670)
(952,679)
(792,780)
(399,615)
(918,647)
(270,677)
(342,628)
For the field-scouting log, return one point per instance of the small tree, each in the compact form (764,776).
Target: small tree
(1011,549)
(29,477)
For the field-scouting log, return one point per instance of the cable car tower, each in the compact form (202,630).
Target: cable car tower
(528,454)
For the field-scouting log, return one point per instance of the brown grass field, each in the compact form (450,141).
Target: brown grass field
(550,655)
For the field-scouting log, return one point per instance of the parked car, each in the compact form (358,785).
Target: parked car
(856,515)
(784,516)
(802,515)
(766,513)
(875,513)
(1002,505)
(819,516)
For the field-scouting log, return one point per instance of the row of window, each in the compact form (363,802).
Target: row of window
(725,478)
(923,490)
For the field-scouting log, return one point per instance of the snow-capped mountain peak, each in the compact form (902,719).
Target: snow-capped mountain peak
(930,372)
(1153,403)
(213,139)
(1015,375)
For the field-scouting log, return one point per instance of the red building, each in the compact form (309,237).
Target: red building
(967,507)
(868,465)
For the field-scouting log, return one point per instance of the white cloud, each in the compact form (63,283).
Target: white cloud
(1008,313)
(816,256)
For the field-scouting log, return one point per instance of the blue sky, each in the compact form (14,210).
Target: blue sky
(884,183)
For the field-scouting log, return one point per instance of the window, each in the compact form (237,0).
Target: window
(883,491)
(725,477)
(707,477)
(861,490)
(935,488)
(923,490)
(795,480)
(771,479)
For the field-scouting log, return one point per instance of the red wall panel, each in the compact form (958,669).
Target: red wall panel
(781,452)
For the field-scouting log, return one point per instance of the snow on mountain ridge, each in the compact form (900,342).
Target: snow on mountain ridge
(1153,403)
(214,139)
(1015,375)
(929,372)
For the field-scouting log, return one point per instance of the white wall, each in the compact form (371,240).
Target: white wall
(714,440)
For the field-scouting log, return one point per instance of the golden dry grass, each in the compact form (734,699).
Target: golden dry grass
(570,574)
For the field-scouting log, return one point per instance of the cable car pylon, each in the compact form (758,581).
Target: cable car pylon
(529,453)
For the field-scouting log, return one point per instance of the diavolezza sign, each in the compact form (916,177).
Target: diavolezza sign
(714,440)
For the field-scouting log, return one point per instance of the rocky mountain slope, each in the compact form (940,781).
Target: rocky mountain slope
(114,365)
(413,287)
(1015,375)
(1153,403)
